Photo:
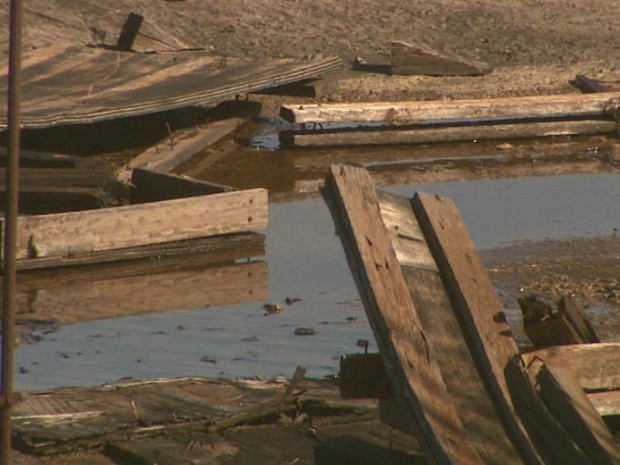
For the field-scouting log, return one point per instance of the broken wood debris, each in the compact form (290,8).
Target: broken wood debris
(418,58)
(369,233)
(546,326)
(452,120)
(587,84)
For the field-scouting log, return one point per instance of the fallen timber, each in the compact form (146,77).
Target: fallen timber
(432,306)
(59,237)
(452,120)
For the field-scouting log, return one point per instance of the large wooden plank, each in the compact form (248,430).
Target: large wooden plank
(424,135)
(417,112)
(464,385)
(402,340)
(72,233)
(178,148)
(569,404)
(594,366)
(477,306)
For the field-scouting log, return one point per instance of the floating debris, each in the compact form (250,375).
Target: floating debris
(208,359)
(272,308)
(305,331)
(251,339)
(292,300)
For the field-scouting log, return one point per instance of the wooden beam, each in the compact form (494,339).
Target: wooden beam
(507,108)
(594,366)
(421,59)
(476,305)
(210,250)
(607,404)
(73,233)
(411,364)
(180,147)
(424,135)
(569,404)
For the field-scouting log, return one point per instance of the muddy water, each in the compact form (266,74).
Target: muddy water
(305,260)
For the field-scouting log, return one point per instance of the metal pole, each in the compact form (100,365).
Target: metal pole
(10,232)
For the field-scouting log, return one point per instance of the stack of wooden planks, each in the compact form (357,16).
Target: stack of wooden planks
(419,122)
(460,383)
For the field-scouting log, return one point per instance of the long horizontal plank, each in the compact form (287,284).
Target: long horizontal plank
(67,234)
(447,134)
(540,106)
(596,367)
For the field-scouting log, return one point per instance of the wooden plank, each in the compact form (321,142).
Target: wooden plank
(569,404)
(417,112)
(476,305)
(459,371)
(148,185)
(67,234)
(168,154)
(409,359)
(553,442)
(594,366)
(421,59)
(424,135)
(142,83)
(216,249)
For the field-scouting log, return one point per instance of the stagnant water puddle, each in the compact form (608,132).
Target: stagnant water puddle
(305,261)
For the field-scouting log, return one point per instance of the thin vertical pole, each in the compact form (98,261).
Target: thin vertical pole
(10,232)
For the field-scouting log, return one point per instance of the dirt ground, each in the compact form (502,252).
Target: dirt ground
(534,47)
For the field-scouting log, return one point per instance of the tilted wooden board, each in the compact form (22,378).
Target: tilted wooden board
(403,343)
(72,233)
(417,112)
(477,306)
(465,387)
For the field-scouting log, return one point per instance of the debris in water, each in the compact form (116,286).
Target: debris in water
(305,331)
(272,308)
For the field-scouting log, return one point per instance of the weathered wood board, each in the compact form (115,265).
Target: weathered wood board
(408,356)
(180,147)
(476,305)
(419,112)
(424,135)
(594,366)
(464,385)
(418,58)
(67,234)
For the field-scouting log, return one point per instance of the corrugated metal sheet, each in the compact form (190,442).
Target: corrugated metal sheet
(72,85)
